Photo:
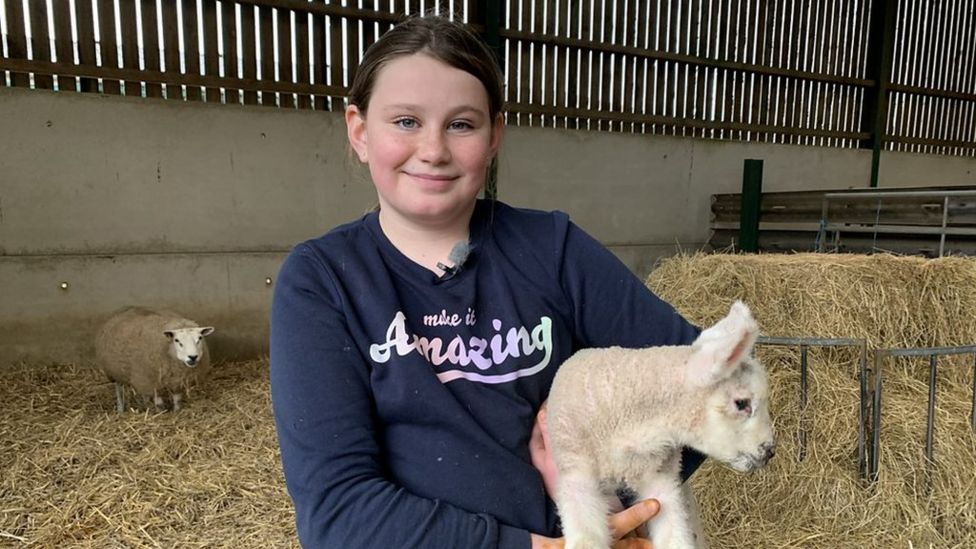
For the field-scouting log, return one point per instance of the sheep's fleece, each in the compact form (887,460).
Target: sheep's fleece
(153,351)
(618,418)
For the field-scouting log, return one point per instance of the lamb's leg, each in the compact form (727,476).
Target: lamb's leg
(582,509)
(177,400)
(670,528)
(158,400)
(119,398)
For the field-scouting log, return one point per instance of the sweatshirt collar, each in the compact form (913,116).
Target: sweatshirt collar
(477,230)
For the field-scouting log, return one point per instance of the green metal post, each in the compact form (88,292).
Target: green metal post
(881,46)
(488,14)
(751,198)
(493,22)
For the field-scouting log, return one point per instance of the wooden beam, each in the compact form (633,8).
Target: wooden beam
(595,46)
(157,77)
(675,121)
(303,6)
(932,92)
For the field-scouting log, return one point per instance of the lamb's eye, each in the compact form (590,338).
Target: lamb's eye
(743,405)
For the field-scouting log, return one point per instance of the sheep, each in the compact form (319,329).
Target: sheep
(153,351)
(618,418)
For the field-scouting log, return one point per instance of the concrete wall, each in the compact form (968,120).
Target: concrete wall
(193,206)
(160,203)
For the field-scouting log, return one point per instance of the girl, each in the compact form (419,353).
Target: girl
(412,349)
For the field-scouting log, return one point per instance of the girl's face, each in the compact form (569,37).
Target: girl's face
(428,137)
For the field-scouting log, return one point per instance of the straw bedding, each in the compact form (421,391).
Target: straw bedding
(73,473)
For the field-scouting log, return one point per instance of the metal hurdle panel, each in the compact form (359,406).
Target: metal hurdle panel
(880,356)
(804,343)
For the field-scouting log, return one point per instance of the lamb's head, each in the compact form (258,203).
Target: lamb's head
(186,344)
(736,428)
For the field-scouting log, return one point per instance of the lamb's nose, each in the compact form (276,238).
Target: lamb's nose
(192,359)
(769,450)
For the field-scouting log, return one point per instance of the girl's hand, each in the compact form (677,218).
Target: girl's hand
(540,454)
(621,524)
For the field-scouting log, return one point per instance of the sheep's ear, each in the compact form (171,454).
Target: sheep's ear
(206,330)
(168,333)
(720,349)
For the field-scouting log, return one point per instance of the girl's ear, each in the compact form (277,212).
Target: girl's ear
(356,131)
(497,131)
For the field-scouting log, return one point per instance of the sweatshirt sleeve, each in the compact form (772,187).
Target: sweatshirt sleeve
(327,431)
(614,307)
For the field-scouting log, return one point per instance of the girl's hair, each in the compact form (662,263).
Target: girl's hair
(448,41)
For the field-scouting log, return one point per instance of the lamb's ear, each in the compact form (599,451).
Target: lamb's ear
(168,333)
(719,349)
(206,330)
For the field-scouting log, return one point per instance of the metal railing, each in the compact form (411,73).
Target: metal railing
(831,230)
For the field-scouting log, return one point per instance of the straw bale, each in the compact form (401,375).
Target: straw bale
(821,501)
(889,300)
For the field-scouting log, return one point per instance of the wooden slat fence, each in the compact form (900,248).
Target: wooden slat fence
(934,78)
(779,71)
(728,69)
(285,53)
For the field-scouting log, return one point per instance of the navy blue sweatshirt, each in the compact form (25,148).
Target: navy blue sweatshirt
(404,401)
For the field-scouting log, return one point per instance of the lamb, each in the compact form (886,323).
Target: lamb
(618,418)
(153,351)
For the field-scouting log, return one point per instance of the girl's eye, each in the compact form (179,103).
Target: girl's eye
(406,123)
(460,125)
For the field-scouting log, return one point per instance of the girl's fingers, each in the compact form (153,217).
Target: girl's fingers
(633,516)
(633,543)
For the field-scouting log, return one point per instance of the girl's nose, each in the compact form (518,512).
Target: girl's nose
(433,148)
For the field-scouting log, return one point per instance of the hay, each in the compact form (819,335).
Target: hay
(892,302)
(73,473)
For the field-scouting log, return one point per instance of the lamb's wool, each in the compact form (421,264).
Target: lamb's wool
(619,417)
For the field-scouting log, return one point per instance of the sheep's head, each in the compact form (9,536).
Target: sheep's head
(737,429)
(186,344)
